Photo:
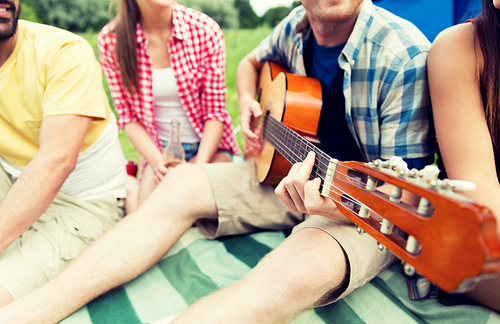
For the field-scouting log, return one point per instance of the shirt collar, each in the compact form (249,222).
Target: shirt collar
(357,37)
(359,32)
(302,24)
(141,39)
(179,24)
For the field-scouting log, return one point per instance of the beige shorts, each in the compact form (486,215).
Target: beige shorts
(66,228)
(244,206)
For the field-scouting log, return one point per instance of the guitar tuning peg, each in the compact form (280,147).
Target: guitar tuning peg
(399,163)
(408,269)
(463,185)
(360,230)
(449,187)
(386,164)
(413,173)
(429,172)
(381,247)
(433,183)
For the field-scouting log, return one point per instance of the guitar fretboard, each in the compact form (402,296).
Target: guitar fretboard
(293,147)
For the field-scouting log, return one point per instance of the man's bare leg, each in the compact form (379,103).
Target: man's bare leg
(128,249)
(293,277)
(5,297)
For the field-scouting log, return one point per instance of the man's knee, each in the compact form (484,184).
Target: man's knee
(187,191)
(183,178)
(316,262)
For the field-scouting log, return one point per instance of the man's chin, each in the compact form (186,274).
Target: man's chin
(8,28)
(7,32)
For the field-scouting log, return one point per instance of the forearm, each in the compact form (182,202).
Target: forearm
(247,76)
(31,195)
(212,134)
(143,143)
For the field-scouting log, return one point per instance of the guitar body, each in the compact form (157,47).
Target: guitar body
(296,102)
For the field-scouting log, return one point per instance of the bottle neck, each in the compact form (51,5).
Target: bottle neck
(174,136)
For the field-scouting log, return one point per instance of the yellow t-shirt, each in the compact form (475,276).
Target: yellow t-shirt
(51,72)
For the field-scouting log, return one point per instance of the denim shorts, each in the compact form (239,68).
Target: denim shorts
(190,149)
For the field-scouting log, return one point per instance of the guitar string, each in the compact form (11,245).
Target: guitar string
(296,138)
(336,194)
(292,153)
(336,190)
(320,155)
(301,154)
(322,166)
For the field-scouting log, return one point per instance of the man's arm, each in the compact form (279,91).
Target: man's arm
(60,138)
(246,85)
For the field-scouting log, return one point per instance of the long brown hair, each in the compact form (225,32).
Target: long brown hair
(490,29)
(126,19)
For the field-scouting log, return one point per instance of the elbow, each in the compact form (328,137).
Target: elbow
(62,164)
(68,163)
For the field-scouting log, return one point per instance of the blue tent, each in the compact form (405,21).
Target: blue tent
(432,16)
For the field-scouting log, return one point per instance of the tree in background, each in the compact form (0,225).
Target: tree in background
(74,15)
(273,16)
(296,3)
(222,11)
(28,11)
(248,18)
(92,15)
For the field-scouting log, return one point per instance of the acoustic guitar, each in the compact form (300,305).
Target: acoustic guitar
(447,238)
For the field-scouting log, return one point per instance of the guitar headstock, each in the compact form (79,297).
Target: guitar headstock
(423,220)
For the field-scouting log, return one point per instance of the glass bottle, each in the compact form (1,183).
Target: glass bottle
(174,152)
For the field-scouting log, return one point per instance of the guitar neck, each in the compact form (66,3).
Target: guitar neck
(293,147)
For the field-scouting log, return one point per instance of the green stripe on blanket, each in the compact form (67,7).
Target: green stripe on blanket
(195,267)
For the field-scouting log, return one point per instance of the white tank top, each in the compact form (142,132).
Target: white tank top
(167,106)
(91,178)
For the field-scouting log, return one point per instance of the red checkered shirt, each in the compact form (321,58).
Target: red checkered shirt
(198,58)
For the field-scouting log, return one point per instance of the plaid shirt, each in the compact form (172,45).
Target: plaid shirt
(197,55)
(387,101)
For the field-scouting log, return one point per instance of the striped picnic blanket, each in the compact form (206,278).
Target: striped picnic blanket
(195,267)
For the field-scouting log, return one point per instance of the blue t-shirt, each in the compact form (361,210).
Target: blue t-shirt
(335,137)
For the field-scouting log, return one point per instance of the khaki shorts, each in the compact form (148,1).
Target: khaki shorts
(244,206)
(66,228)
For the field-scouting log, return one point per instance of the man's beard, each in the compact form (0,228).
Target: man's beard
(10,23)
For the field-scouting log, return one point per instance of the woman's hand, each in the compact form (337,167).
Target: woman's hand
(160,170)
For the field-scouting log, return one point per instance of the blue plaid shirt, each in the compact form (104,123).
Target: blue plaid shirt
(387,101)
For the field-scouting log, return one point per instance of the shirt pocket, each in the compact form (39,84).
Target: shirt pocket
(366,121)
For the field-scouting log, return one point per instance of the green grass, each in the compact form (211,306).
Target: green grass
(238,43)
